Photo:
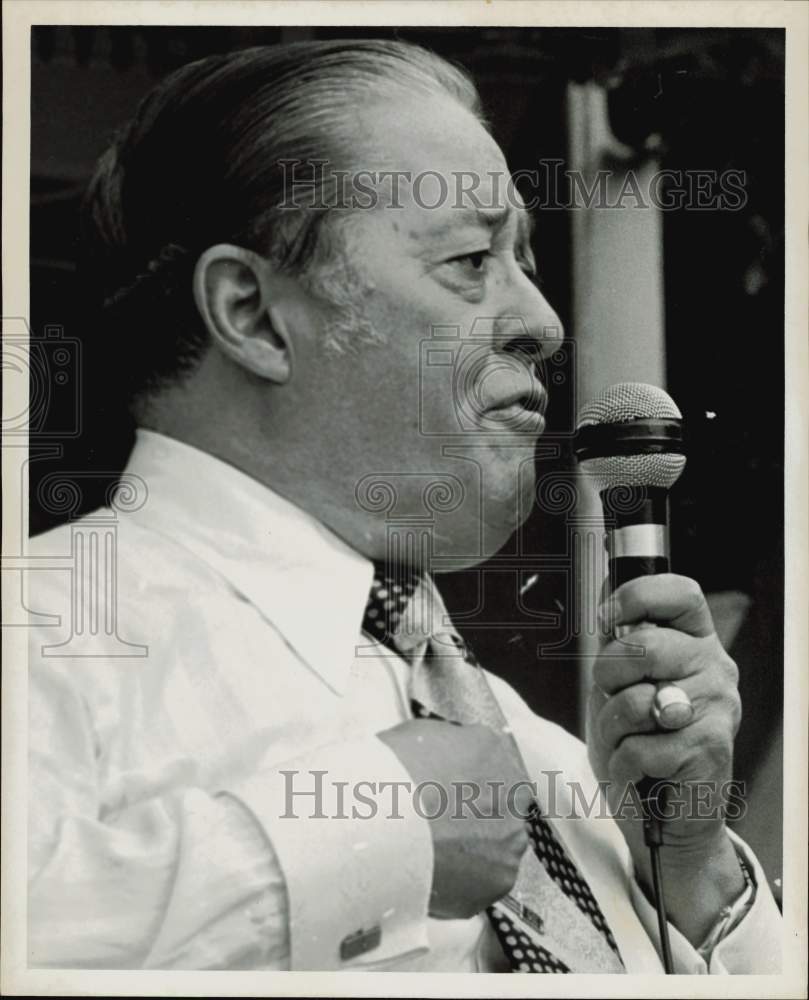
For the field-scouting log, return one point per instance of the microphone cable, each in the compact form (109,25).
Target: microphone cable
(653,838)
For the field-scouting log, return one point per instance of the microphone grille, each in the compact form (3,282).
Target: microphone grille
(619,404)
(629,401)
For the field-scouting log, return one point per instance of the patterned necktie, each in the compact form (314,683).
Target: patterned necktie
(550,922)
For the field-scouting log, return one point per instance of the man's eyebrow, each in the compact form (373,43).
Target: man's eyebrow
(491,219)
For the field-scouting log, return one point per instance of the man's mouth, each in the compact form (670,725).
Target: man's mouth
(523,411)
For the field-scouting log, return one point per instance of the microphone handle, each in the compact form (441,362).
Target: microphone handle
(637,520)
(638,545)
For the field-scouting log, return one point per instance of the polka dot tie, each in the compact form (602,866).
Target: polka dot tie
(518,929)
(563,871)
(524,953)
(390,594)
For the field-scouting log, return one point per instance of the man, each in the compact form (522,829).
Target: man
(226,799)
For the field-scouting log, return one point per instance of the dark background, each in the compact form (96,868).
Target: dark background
(715,99)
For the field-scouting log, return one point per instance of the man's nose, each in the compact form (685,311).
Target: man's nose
(538,331)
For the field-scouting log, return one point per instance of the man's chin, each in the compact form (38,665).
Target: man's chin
(489,539)
(464,562)
(461,537)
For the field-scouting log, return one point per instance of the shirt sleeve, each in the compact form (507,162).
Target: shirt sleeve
(212,879)
(753,947)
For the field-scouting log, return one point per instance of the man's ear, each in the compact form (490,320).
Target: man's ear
(233,291)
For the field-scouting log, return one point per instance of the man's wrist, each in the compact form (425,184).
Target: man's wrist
(731,916)
(698,884)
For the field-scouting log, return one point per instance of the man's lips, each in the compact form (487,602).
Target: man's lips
(522,410)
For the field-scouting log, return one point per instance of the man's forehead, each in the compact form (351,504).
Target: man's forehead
(428,134)
(451,172)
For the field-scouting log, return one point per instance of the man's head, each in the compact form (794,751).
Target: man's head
(208,158)
(293,331)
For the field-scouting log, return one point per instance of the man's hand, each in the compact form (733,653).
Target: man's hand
(673,639)
(475,858)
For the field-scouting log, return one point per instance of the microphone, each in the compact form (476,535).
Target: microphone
(629,441)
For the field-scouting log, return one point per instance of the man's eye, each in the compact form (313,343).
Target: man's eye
(472,263)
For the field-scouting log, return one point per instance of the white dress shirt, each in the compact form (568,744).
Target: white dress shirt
(161,771)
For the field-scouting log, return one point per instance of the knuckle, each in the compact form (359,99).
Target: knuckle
(719,749)
(691,591)
(729,668)
(738,711)
(503,878)
(687,594)
(638,703)
(625,588)
(466,908)
(733,704)
(713,659)
(651,639)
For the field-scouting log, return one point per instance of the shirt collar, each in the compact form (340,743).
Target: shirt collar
(298,574)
